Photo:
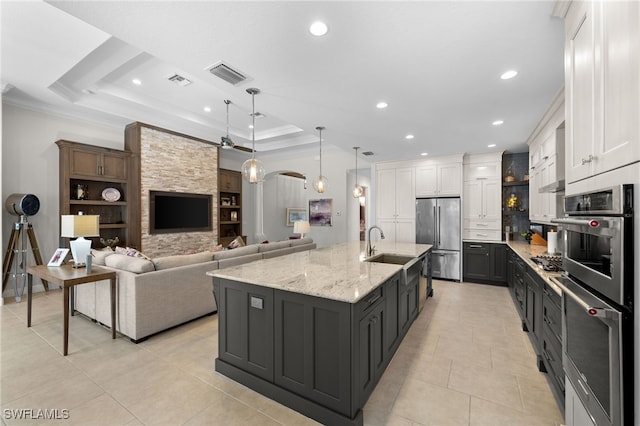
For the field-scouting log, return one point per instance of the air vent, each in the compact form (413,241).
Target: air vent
(227,73)
(367,153)
(179,80)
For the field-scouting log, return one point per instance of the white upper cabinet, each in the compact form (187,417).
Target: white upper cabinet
(602,80)
(395,202)
(546,163)
(440,177)
(482,210)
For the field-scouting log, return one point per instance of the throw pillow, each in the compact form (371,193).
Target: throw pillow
(128,251)
(237,242)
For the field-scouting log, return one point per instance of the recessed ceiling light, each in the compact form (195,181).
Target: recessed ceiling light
(382,105)
(424,154)
(498,122)
(409,137)
(136,81)
(207,109)
(318,28)
(251,126)
(491,145)
(509,74)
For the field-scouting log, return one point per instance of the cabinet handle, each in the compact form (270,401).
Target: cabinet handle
(546,157)
(373,299)
(482,224)
(481,235)
(588,160)
(548,357)
(475,246)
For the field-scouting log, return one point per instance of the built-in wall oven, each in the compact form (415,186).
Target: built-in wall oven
(597,301)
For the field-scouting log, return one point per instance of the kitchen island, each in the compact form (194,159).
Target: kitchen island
(315,330)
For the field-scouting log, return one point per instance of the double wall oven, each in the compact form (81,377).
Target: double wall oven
(597,301)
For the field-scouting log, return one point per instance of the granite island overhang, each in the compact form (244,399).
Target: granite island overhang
(315,330)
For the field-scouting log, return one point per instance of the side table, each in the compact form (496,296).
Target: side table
(66,276)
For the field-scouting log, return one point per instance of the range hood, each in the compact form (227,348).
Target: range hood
(556,186)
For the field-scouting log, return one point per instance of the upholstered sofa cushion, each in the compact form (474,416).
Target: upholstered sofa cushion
(301,241)
(137,265)
(240,251)
(167,262)
(273,246)
(100,255)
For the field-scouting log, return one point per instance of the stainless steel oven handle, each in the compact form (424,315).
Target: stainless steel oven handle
(591,310)
(581,222)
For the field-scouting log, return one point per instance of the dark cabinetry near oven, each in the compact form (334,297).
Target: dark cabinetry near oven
(551,343)
(538,306)
(485,263)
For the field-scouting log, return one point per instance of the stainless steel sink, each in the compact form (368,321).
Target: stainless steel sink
(395,259)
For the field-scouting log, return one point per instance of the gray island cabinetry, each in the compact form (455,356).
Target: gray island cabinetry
(315,330)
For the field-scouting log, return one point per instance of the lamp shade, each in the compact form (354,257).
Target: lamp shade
(301,228)
(80,226)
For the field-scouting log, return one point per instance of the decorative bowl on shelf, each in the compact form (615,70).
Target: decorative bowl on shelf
(110,194)
(509,178)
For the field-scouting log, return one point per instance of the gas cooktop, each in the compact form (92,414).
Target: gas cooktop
(549,263)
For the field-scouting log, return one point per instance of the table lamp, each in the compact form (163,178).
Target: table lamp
(80,226)
(301,228)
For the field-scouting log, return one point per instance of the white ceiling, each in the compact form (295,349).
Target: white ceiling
(437,65)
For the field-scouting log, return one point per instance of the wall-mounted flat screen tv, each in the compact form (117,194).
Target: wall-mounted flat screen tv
(179,212)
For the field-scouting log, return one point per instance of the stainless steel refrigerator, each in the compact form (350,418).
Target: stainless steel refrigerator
(438,224)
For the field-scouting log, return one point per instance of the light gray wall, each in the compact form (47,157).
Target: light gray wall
(30,166)
(336,164)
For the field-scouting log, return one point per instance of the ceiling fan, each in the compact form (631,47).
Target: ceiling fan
(225,141)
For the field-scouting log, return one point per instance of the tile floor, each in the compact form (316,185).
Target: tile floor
(465,361)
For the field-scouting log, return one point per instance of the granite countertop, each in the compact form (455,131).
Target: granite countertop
(338,272)
(526,252)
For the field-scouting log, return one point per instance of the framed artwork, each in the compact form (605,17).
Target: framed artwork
(296,215)
(320,212)
(58,257)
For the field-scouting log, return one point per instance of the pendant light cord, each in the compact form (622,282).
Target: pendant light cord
(253,124)
(320,150)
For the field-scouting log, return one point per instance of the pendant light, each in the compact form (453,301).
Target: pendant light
(252,169)
(226,142)
(320,183)
(358,191)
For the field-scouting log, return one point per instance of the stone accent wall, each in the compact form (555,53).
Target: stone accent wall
(172,162)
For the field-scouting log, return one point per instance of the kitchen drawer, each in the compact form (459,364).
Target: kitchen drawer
(482,235)
(551,316)
(553,359)
(551,296)
(369,301)
(481,224)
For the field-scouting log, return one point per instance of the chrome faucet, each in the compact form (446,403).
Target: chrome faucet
(370,248)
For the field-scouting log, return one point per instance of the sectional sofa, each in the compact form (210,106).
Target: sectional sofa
(154,295)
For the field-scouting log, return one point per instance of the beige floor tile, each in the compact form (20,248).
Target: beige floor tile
(486,413)
(486,383)
(226,410)
(66,393)
(465,351)
(537,399)
(20,382)
(429,404)
(102,410)
(170,378)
